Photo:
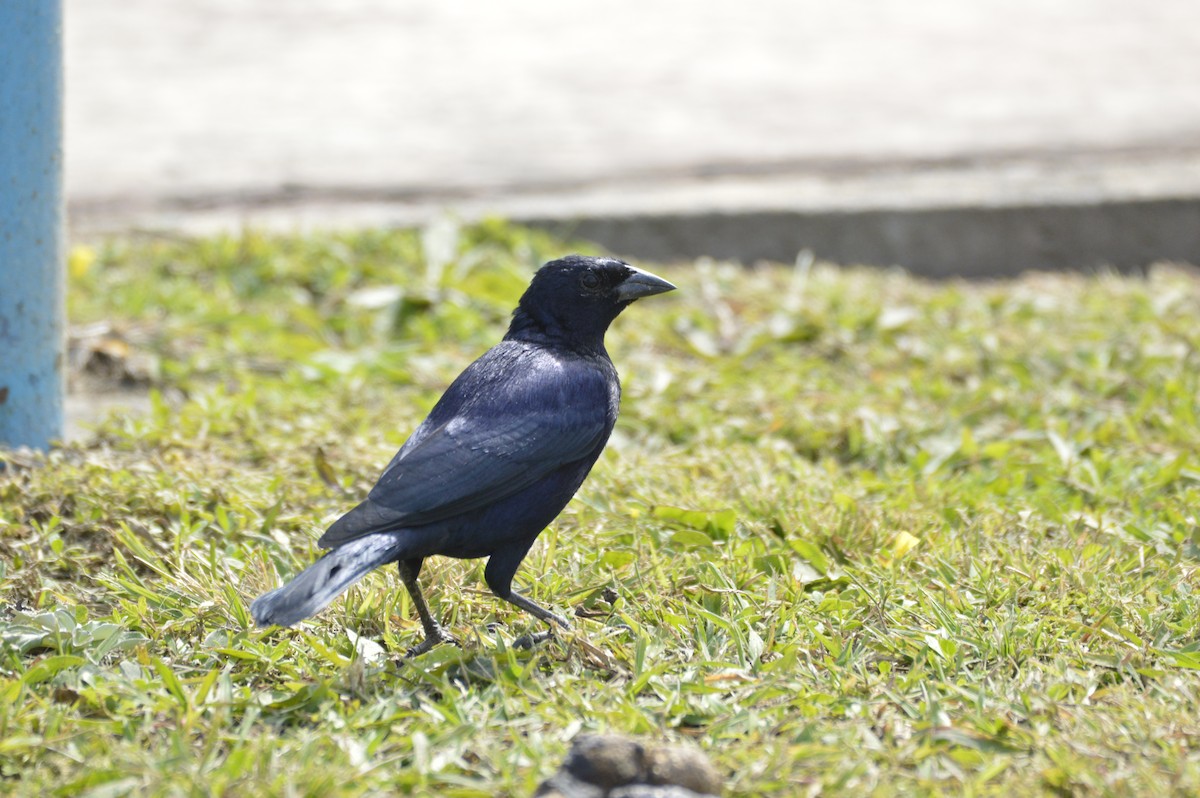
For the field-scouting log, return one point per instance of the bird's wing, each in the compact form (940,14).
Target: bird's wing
(470,461)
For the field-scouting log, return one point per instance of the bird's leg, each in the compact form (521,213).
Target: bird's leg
(434,633)
(501,567)
(536,610)
(530,640)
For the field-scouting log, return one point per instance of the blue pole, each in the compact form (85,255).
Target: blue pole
(31,223)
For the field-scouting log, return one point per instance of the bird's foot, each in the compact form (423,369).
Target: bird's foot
(433,637)
(533,639)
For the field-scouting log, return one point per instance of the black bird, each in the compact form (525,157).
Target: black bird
(500,455)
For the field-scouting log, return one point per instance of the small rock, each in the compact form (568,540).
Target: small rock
(683,766)
(612,766)
(606,760)
(564,785)
(655,791)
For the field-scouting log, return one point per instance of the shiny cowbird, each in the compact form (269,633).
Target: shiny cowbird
(500,455)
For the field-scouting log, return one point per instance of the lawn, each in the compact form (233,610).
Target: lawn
(855,534)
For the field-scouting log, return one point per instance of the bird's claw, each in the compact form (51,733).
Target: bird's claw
(533,639)
(432,638)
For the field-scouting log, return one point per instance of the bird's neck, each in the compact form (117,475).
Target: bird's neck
(544,329)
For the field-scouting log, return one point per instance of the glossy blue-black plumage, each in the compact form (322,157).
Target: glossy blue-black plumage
(500,455)
(516,417)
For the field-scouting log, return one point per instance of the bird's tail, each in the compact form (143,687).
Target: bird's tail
(323,581)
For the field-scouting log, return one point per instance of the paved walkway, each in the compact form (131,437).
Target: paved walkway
(951,137)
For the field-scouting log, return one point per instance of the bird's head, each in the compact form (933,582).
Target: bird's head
(575,298)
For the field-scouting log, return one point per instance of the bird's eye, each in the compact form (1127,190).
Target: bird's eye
(589,280)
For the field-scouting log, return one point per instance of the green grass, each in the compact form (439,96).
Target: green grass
(855,534)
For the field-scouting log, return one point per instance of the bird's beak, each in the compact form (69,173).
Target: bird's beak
(640,284)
